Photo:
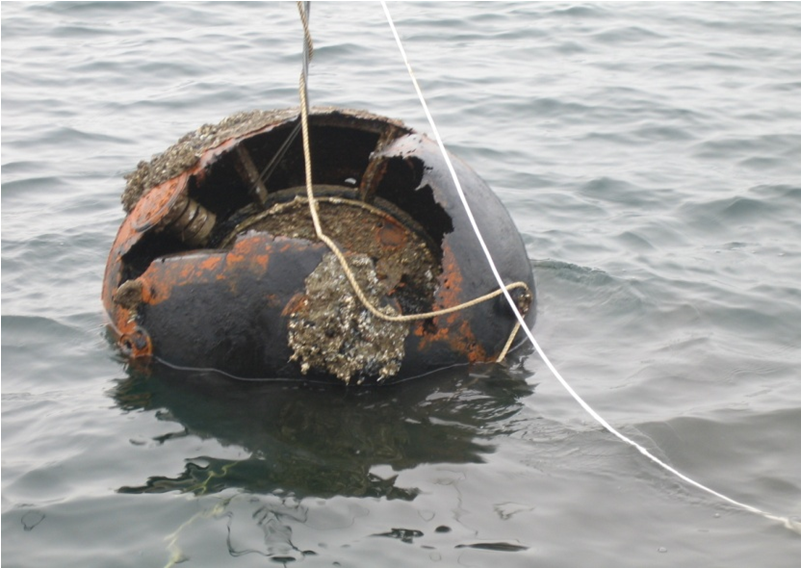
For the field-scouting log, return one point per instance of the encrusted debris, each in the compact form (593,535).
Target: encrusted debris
(129,294)
(189,148)
(403,259)
(332,331)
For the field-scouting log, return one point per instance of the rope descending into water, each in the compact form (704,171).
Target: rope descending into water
(303,9)
(787,522)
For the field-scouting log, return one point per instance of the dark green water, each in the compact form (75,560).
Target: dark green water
(650,156)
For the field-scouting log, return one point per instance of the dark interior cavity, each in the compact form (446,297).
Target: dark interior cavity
(342,155)
(400,185)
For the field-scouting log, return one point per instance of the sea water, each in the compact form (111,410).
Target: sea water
(649,154)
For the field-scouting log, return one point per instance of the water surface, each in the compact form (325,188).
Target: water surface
(649,154)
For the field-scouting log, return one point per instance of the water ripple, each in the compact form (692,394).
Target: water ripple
(648,153)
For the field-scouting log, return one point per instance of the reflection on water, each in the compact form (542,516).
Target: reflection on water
(312,440)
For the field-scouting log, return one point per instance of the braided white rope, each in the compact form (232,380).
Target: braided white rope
(787,522)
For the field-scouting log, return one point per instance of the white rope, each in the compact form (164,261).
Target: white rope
(793,525)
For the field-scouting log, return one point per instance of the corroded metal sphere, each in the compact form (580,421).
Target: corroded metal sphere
(217,264)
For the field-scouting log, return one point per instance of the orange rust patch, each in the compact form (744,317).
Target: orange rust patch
(210,264)
(147,292)
(391,235)
(123,323)
(150,209)
(451,328)
(446,296)
(474,350)
(449,291)
(126,237)
(136,344)
(295,304)
(460,339)
(249,254)
(162,276)
(286,244)
(156,204)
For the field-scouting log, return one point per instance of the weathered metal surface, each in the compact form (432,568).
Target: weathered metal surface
(217,267)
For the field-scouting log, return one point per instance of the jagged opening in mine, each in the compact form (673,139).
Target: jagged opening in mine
(342,155)
(339,157)
(346,153)
(151,246)
(400,185)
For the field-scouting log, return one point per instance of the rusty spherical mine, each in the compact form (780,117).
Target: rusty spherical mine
(217,264)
